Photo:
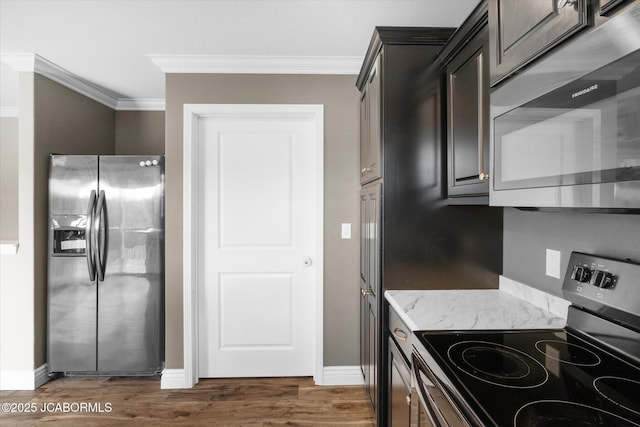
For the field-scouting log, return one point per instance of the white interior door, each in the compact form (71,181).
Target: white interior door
(258,222)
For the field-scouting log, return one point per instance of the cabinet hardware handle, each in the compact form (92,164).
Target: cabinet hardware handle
(365,292)
(563,3)
(483,176)
(408,398)
(400,334)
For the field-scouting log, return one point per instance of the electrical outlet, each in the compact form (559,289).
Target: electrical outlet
(553,263)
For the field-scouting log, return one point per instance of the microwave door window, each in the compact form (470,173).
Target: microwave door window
(585,132)
(536,152)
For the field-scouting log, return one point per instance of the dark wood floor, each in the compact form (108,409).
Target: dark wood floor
(212,402)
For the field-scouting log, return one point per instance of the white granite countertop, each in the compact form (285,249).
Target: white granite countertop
(474,309)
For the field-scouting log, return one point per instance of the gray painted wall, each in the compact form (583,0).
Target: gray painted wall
(527,235)
(65,122)
(139,132)
(8,178)
(62,121)
(341,188)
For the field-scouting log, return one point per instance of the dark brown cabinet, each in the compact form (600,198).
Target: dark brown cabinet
(609,7)
(399,372)
(522,30)
(467,77)
(370,142)
(399,388)
(369,286)
(396,157)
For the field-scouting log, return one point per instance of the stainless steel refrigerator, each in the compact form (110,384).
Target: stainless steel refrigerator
(106,264)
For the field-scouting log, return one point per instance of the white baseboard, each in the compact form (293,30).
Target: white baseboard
(174,378)
(342,375)
(331,375)
(24,380)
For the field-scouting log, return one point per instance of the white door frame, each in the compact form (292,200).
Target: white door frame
(191,245)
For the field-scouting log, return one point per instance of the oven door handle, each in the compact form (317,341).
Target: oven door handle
(437,419)
(420,374)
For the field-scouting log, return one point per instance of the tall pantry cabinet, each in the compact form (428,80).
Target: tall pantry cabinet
(390,113)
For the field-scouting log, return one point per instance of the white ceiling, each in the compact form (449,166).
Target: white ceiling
(107,42)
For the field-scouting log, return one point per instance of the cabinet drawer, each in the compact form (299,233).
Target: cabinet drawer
(400,333)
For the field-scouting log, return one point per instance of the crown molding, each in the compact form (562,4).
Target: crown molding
(240,64)
(32,62)
(126,104)
(6,111)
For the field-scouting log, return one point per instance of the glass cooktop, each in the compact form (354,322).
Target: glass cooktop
(536,378)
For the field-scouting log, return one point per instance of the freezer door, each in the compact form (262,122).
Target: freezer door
(130,246)
(71,293)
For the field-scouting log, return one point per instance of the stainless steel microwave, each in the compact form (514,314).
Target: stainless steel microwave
(566,132)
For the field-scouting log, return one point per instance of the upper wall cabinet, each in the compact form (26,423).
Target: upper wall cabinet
(522,30)
(468,118)
(395,58)
(465,65)
(370,142)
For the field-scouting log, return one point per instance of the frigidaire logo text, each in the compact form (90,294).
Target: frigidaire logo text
(585,90)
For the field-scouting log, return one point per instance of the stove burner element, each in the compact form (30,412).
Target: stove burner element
(621,391)
(497,364)
(557,413)
(564,352)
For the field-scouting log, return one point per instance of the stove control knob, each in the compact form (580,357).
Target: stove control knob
(602,279)
(581,274)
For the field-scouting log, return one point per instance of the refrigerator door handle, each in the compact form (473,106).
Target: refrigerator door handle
(91,213)
(100,240)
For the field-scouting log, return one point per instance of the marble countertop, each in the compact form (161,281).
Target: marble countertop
(470,309)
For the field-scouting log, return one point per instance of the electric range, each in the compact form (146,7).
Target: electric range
(587,374)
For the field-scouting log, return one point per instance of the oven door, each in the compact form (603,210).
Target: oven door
(433,399)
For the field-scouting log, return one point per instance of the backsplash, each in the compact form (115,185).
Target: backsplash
(527,235)
(551,303)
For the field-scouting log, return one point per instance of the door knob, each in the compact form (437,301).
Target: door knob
(307,261)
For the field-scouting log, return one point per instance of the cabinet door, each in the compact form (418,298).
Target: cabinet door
(365,354)
(608,6)
(399,397)
(468,119)
(375,122)
(369,287)
(365,350)
(522,30)
(364,135)
(370,127)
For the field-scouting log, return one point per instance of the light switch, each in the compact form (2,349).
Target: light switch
(346,230)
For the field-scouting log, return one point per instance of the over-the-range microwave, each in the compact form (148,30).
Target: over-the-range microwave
(566,131)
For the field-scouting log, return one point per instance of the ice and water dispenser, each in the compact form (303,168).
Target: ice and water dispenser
(69,235)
